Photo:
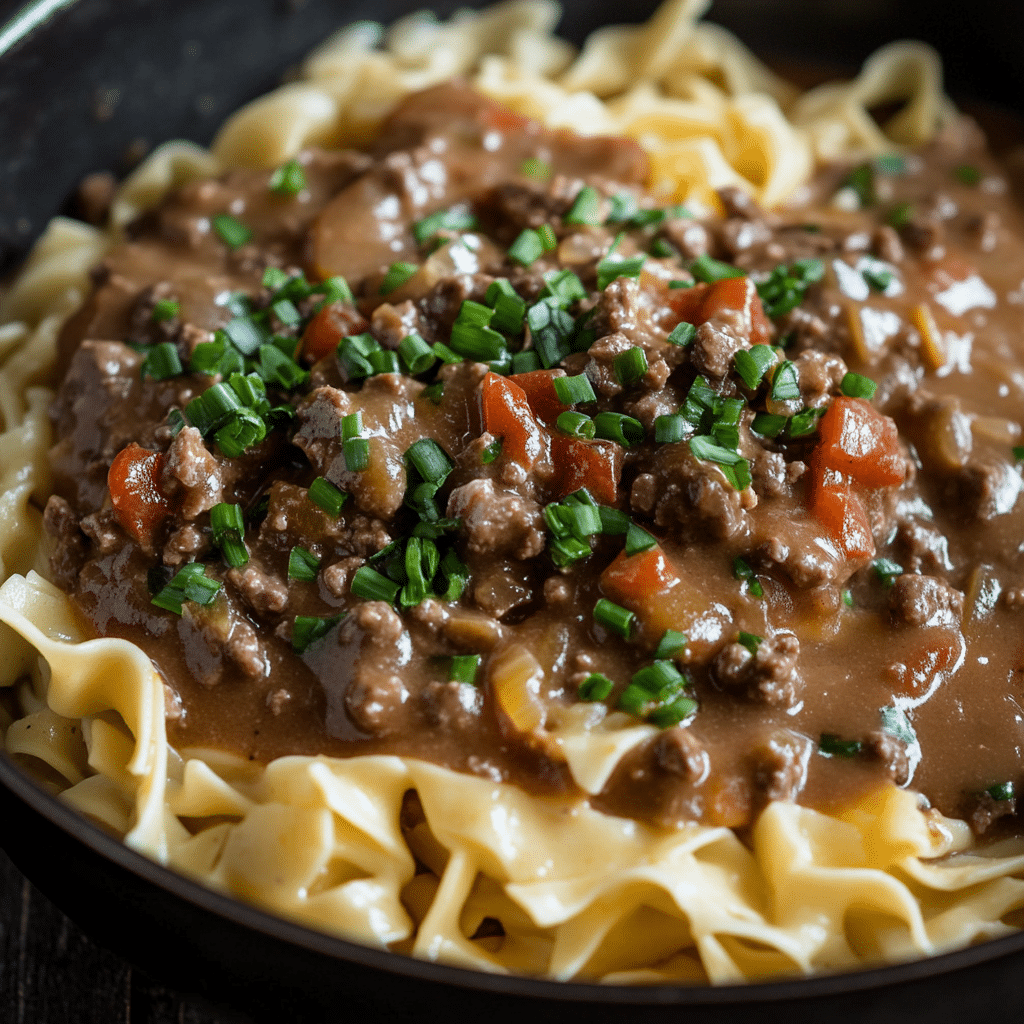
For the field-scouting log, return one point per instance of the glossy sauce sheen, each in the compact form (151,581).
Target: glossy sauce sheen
(942,645)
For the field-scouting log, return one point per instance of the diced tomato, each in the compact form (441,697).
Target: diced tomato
(700,303)
(539,386)
(914,671)
(596,465)
(335,321)
(507,414)
(859,441)
(134,484)
(840,511)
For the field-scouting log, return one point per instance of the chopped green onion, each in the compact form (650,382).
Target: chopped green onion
(326,496)
(445,354)
(901,214)
(227,525)
(614,522)
(623,206)
(175,421)
(551,329)
(509,307)
(682,334)
(749,640)
(725,429)
(189,583)
(614,617)
(709,270)
(785,286)
(630,365)
(546,234)
(532,167)
(862,181)
(671,643)
(242,431)
(634,700)
(276,368)
(672,427)
(472,337)
(887,570)
(896,723)
(832,745)
(742,571)
(527,248)
(231,231)
(596,687)
(848,598)
(416,354)
(398,273)
(753,363)
(891,164)
(307,630)
(1018,452)
(164,310)
(574,390)
(247,334)
(854,385)
(576,424)
(161,362)
(767,424)
(464,668)
(372,586)
(611,268)
(616,426)
(434,392)
(491,452)
(664,249)
(968,174)
(672,714)
(525,362)
(286,312)
(676,285)
(351,425)
(303,565)
(1001,791)
(785,383)
(735,468)
(805,423)
(563,288)
(357,454)
(429,460)
(638,540)
(288,180)
(876,273)
(456,219)
(661,679)
(585,209)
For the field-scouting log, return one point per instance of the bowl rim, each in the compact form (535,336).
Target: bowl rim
(250,917)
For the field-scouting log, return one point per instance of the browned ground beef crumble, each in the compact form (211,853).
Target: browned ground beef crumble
(821,663)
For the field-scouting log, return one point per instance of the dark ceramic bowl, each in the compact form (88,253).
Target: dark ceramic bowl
(85,82)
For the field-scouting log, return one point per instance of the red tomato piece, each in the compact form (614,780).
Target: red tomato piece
(134,484)
(858,440)
(507,414)
(335,321)
(700,303)
(539,386)
(596,465)
(843,516)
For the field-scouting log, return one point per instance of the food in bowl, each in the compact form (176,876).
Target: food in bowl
(581,555)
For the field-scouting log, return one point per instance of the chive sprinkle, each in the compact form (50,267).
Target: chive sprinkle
(574,390)
(231,231)
(303,565)
(288,180)
(527,248)
(682,334)
(967,174)
(576,424)
(614,617)
(464,668)
(742,571)
(372,586)
(307,629)
(749,640)
(671,643)
(398,273)
(1001,791)
(630,365)
(596,687)
(585,208)
(227,525)
(161,362)
(855,385)
(326,496)
(709,270)
(616,426)
(832,745)
(189,583)
(164,310)
(491,452)
(887,570)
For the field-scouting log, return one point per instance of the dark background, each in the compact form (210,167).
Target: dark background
(109,77)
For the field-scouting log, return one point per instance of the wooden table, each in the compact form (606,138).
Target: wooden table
(51,973)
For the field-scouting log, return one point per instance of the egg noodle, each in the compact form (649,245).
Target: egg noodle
(323,841)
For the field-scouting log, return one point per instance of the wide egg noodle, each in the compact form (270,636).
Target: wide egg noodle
(330,842)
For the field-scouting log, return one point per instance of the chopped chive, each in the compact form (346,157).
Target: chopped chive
(861,180)
(527,248)
(676,285)
(416,354)
(227,525)
(508,305)
(614,522)
(709,270)
(704,448)
(351,425)
(848,598)
(891,164)
(638,540)
(887,570)
(164,310)
(742,571)
(854,385)
(596,687)
(832,745)
(303,565)
(876,273)
(623,206)
(434,392)
(664,249)
(398,273)
(585,209)
(456,219)
(616,426)
(901,214)
(472,337)
(662,680)
(574,390)
(464,668)
(785,383)
(525,362)
(682,334)
(896,723)
(189,583)
(429,460)
(532,167)
(785,287)
(334,289)
(563,288)
(161,362)
(552,330)
(804,423)
(326,496)
(672,427)
(1001,791)
(231,231)
(175,421)
(548,239)
(634,700)
(372,586)
(445,354)
(672,714)
(1018,452)
(750,640)
(967,174)
(614,617)
(630,365)
(767,424)
(753,363)
(356,451)
(288,180)
(671,643)
(306,630)
(576,424)
(491,452)
(611,268)
(286,311)
(725,429)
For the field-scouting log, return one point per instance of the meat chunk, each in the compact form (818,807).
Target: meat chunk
(261,590)
(451,706)
(191,475)
(498,522)
(61,523)
(916,600)
(780,765)
(376,692)
(769,675)
(678,752)
(892,752)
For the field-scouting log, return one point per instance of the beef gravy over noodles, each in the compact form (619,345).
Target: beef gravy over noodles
(939,646)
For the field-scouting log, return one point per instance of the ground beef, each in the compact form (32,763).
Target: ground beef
(916,600)
(769,675)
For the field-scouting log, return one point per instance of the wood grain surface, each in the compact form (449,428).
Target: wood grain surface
(52,973)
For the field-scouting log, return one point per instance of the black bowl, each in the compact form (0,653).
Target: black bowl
(94,81)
